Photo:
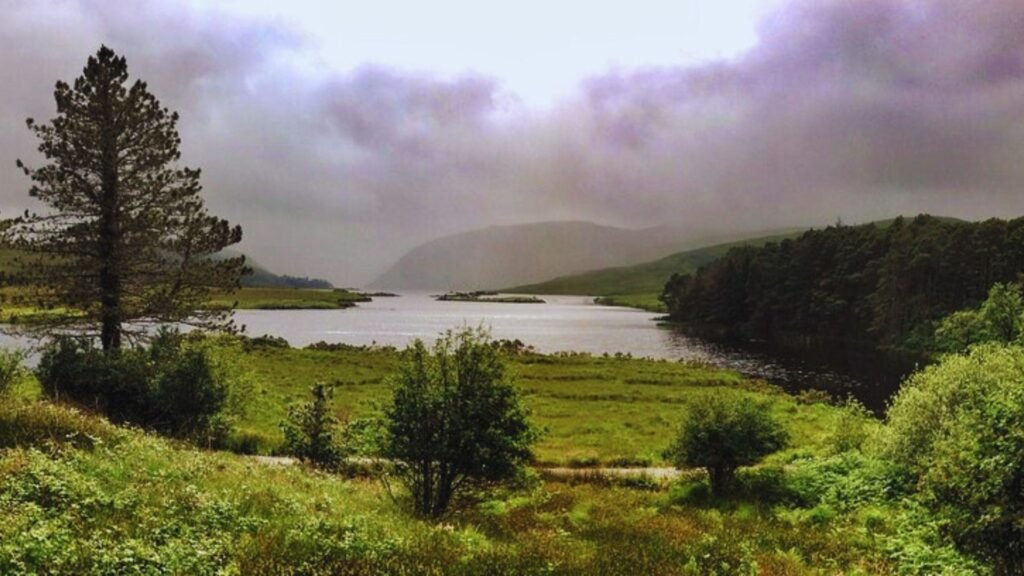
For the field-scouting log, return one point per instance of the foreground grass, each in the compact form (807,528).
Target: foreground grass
(80,496)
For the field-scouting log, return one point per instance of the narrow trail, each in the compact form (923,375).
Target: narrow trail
(547,472)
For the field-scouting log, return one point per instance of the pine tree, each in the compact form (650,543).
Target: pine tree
(126,239)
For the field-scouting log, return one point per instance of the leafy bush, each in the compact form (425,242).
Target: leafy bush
(720,434)
(179,386)
(11,369)
(455,420)
(957,428)
(311,430)
(1000,318)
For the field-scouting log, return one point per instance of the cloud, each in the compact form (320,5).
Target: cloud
(843,109)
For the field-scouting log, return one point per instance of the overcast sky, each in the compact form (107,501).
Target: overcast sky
(341,134)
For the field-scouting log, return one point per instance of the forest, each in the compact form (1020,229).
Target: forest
(879,285)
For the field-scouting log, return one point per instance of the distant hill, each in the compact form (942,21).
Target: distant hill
(646,278)
(263,278)
(260,277)
(523,254)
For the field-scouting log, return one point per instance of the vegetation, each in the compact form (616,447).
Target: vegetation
(870,285)
(638,286)
(455,421)
(482,296)
(649,302)
(11,370)
(311,430)
(722,434)
(594,410)
(1000,318)
(957,428)
(182,387)
(260,277)
(80,496)
(127,237)
(287,299)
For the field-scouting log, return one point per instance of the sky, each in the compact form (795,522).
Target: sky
(342,134)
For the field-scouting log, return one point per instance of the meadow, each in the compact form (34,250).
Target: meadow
(594,410)
(82,496)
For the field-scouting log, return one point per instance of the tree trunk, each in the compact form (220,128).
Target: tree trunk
(110,231)
(720,478)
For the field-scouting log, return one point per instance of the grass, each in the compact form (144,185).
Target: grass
(247,298)
(645,301)
(81,496)
(250,298)
(593,409)
(135,504)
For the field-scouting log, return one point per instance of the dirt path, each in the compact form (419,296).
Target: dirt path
(550,473)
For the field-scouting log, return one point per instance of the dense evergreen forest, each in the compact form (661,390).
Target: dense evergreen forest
(872,285)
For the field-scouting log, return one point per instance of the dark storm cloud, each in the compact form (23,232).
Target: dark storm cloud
(843,109)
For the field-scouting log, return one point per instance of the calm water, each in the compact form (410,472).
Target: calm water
(569,323)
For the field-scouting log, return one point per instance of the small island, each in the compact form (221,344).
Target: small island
(484,296)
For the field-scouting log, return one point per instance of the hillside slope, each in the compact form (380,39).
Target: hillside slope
(646,278)
(527,253)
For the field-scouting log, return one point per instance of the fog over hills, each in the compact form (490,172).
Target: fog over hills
(500,256)
(856,110)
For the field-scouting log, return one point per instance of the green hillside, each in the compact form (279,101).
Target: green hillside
(641,282)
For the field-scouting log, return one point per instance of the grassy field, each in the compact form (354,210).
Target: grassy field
(250,298)
(103,500)
(80,496)
(594,410)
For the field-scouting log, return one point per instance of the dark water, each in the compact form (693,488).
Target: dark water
(573,323)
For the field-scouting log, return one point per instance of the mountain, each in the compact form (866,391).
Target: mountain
(526,253)
(646,278)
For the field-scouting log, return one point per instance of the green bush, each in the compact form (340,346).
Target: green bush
(11,369)
(311,430)
(1000,318)
(455,422)
(178,386)
(720,434)
(957,428)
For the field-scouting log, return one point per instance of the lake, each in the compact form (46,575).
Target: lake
(572,323)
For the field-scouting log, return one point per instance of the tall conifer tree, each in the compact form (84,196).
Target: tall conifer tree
(125,239)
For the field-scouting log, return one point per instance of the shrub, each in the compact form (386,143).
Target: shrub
(11,369)
(1000,318)
(455,421)
(178,386)
(720,434)
(311,430)
(853,427)
(957,428)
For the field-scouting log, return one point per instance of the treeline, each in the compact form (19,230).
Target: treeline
(264,279)
(875,285)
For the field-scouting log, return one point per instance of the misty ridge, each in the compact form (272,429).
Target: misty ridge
(859,110)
